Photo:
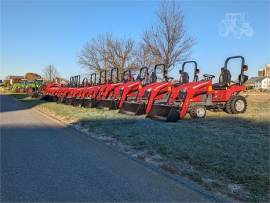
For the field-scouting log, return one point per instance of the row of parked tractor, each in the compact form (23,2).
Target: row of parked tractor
(164,99)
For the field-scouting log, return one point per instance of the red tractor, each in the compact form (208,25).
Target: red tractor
(78,91)
(48,90)
(89,96)
(129,91)
(162,92)
(87,86)
(109,97)
(138,104)
(225,94)
(74,87)
(63,92)
(196,97)
(52,91)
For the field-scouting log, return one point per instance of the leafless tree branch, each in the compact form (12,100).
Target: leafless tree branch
(167,42)
(105,52)
(50,73)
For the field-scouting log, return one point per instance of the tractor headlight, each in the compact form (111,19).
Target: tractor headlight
(182,95)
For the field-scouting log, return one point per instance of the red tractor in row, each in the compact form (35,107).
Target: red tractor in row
(158,98)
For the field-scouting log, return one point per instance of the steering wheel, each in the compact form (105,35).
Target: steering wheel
(208,76)
(169,79)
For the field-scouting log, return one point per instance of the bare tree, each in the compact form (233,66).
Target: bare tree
(94,54)
(144,57)
(50,73)
(120,53)
(168,42)
(105,52)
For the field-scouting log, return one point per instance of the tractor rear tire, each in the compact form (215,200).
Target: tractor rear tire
(197,112)
(238,104)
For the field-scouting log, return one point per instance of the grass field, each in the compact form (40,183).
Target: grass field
(225,153)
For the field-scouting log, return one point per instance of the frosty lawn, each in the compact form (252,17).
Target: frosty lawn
(222,148)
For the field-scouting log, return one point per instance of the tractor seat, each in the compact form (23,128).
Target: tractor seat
(153,77)
(220,86)
(138,78)
(184,78)
(224,80)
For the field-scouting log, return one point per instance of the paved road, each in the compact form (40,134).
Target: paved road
(45,161)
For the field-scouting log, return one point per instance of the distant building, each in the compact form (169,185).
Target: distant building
(260,73)
(32,77)
(14,79)
(258,83)
(265,72)
(250,84)
(263,84)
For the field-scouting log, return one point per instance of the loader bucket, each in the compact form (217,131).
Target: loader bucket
(133,108)
(61,100)
(89,103)
(68,100)
(163,112)
(52,98)
(77,102)
(107,104)
(49,98)
(44,97)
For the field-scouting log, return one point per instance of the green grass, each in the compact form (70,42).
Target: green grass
(234,149)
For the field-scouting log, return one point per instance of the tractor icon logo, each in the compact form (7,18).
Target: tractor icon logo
(235,24)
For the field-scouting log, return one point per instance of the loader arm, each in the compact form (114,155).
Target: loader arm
(157,91)
(193,93)
(127,89)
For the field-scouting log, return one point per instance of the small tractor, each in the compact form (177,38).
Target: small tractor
(197,97)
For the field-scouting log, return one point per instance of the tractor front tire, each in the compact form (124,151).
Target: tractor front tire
(197,112)
(238,104)
(228,106)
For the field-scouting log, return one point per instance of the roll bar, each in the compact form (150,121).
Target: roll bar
(127,71)
(74,81)
(124,73)
(100,76)
(196,70)
(145,68)
(85,82)
(243,66)
(111,76)
(91,78)
(78,80)
(157,65)
(70,81)
(165,76)
(234,57)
